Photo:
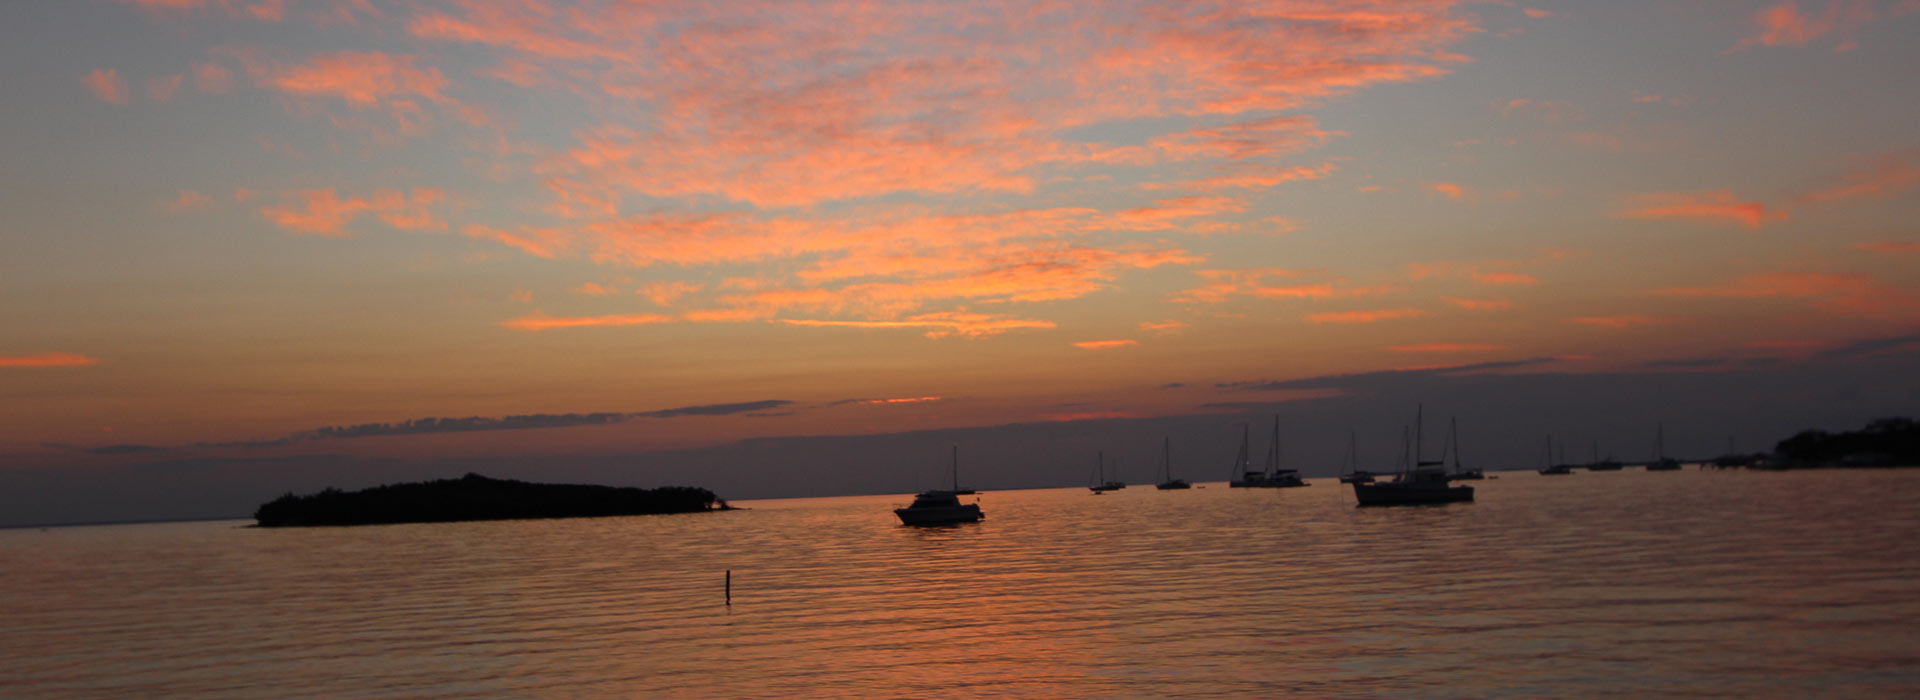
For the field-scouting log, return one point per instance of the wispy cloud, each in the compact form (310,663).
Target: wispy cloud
(1450,190)
(324,212)
(943,324)
(1837,292)
(1105,344)
(1785,25)
(1709,205)
(1367,316)
(45,360)
(1890,247)
(532,421)
(1876,178)
(1444,347)
(1369,379)
(1480,304)
(1627,321)
(107,85)
(542,322)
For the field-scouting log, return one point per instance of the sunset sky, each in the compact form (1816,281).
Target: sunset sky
(258,231)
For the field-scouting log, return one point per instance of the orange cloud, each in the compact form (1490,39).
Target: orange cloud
(1714,204)
(1879,178)
(1504,278)
(945,324)
(1162,327)
(1451,190)
(1254,282)
(1622,321)
(1443,347)
(1480,304)
(1893,247)
(1104,344)
(46,359)
(1363,316)
(664,293)
(595,289)
(540,243)
(188,199)
(1844,293)
(107,85)
(910,399)
(360,79)
(541,322)
(323,212)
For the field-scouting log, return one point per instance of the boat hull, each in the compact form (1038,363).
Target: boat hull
(945,515)
(1265,484)
(1173,485)
(1392,494)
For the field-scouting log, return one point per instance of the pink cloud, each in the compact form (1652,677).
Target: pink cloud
(1536,13)
(1785,25)
(46,360)
(211,77)
(1709,205)
(1104,344)
(1370,316)
(1878,178)
(107,85)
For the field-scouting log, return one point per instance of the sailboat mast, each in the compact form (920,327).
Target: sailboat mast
(1453,439)
(1166,459)
(956,467)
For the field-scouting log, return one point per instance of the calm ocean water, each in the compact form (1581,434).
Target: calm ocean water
(1796,584)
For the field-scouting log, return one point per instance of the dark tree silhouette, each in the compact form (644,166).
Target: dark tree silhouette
(1887,442)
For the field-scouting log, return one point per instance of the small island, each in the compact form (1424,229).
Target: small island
(475,497)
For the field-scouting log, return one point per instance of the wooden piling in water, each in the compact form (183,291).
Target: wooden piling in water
(729,586)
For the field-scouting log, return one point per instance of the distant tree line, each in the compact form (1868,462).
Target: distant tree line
(1887,442)
(475,497)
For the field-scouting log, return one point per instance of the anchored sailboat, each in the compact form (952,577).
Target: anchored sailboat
(1167,482)
(1425,483)
(1270,476)
(1100,482)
